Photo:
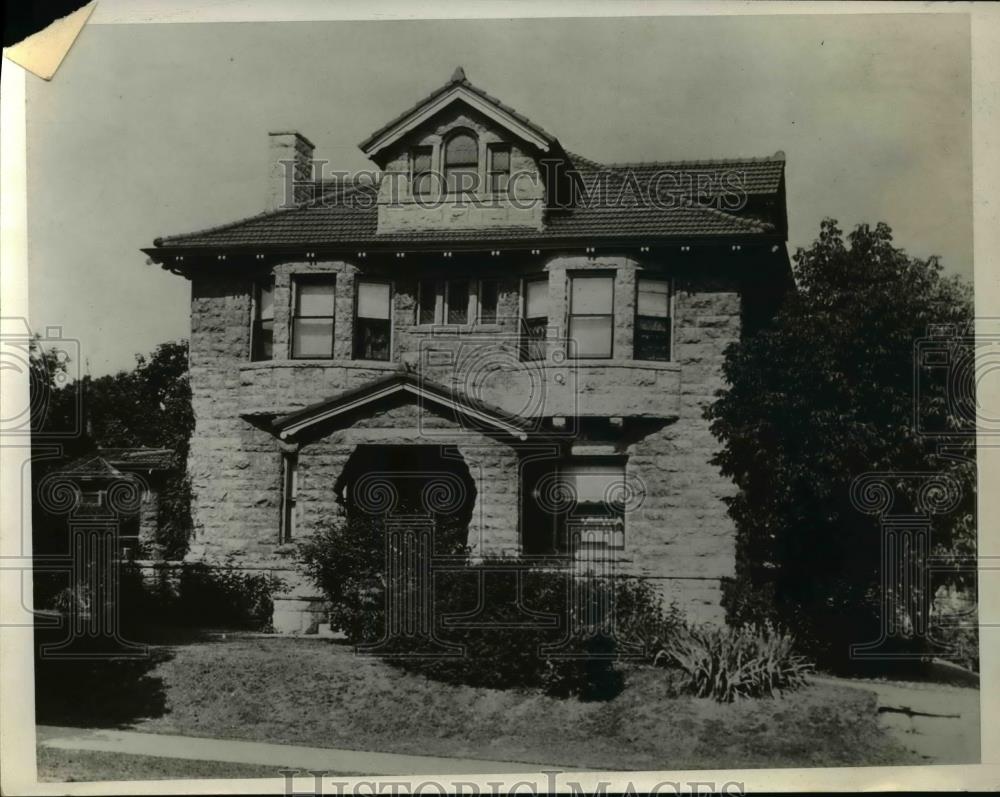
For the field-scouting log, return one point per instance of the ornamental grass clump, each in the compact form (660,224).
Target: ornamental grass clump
(729,663)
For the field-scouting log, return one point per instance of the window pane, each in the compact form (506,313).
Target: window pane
(462,180)
(533,345)
(462,149)
(594,484)
(371,339)
(263,340)
(536,301)
(458,302)
(500,160)
(593,295)
(488,301)
(314,298)
(373,300)
(652,338)
(590,336)
(428,302)
(312,337)
(654,298)
(265,302)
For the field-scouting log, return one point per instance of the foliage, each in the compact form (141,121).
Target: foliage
(822,396)
(498,622)
(727,663)
(149,406)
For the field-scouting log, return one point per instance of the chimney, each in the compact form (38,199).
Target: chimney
(290,169)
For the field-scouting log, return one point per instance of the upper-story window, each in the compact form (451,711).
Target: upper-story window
(536,318)
(489,292)
(373,321)
(461,163)
(591,315)
(456,302)
(499,168)
(420,170)
(262,333)
(313,316)
(652,319)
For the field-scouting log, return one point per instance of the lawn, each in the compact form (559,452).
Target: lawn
(319,693)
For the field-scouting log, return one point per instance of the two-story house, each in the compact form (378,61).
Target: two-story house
(488,327)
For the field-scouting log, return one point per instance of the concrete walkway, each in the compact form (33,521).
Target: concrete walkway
(281,756)
(938,722)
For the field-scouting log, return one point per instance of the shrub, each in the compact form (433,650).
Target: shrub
(226,597)
(727,663)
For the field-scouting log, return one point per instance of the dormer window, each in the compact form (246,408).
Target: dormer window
(499,168)
(420,170)
(461,163)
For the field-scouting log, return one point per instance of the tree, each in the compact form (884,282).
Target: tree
(818,398)
(149,406)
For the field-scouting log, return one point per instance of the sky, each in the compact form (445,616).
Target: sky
(149,130)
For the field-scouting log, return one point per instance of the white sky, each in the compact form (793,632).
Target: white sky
(149,130)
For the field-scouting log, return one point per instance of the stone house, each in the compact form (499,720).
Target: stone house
(487,327)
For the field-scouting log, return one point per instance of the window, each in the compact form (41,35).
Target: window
(499,168)
(289,495)
(372,321)
(488,292)
(427,302)
(597,517)
(591,319)
(457,302)
(420,170)
(461,163)
(652,319)
(312,320)
(262,333)
(536,318)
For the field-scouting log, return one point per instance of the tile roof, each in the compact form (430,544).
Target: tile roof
(336,217)
(113,463)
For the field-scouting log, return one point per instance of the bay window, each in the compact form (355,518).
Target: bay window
(535,319)
(262,333)
(313,316)
(373,320)
(591,319)
(652,319)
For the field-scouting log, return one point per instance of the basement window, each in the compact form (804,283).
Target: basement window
(373,321)
(597,516)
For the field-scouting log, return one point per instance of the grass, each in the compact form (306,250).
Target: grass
(319,693)
(69,766)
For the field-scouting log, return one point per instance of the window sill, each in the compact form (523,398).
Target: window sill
(255,365)
(452,329)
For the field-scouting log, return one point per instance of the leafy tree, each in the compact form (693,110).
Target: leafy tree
(149,406)
(821,396)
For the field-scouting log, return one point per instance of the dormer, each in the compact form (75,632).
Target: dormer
(461,159)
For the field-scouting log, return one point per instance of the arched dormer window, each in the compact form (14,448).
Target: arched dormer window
(461,163)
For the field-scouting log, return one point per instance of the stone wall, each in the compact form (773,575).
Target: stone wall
(680,536)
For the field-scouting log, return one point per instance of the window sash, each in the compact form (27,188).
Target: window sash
(535,319)
(420,169)
(653,321)
(289,496)
(373,320)
(592,321)
(499,168)
(313,333)
(489,295)
(262,329)
(427,299)
(457,301)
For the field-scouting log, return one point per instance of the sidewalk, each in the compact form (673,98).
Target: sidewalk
(281,756)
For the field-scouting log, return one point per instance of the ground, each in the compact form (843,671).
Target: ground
(319,693)
(67,766)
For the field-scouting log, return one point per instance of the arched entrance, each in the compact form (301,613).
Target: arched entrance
(427,483)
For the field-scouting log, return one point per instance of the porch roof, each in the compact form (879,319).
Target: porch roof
(408,382)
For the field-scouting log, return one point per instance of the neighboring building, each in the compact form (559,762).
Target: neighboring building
(139,474)
(496,330)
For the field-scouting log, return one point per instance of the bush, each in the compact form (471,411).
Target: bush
(225,597)
(728,663)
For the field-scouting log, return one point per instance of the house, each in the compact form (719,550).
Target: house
(120,485)
(487,327)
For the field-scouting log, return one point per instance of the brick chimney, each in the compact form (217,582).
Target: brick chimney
(290,167)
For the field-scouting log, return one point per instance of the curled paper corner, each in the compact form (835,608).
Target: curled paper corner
(43,52)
